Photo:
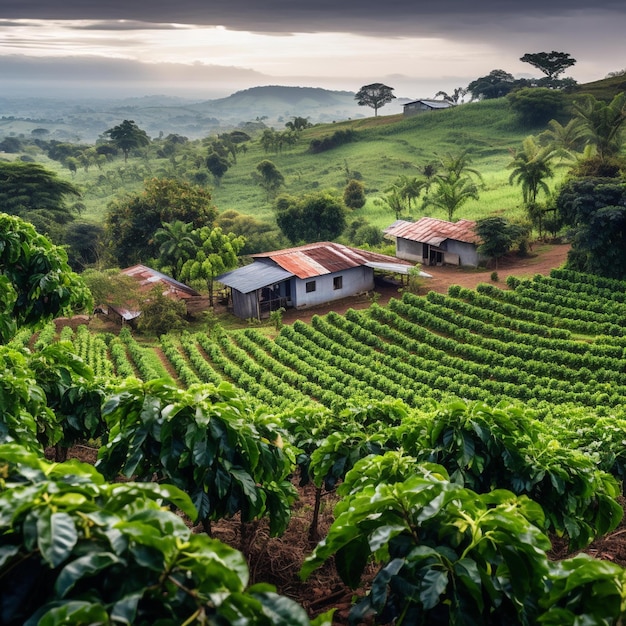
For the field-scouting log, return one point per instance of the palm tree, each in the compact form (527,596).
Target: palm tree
(451,192)
(531,167)
(565,140)
(177,244)
(454,186)
(410,188)
(459,165)
(393,201)
(603,123)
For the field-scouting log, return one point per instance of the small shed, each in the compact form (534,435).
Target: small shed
(304,276)
(422,106)
(431,241)
(147,278)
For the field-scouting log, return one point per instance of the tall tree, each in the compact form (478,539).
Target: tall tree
(496,84)
(270,178)
(177,244)
(317,216)
(375,96)
(131,221)
(37,195)
(531,166)
(594,208)
(552,64)
(217,253)
(127,136)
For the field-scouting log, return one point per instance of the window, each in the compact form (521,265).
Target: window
(310,286)
(338,282)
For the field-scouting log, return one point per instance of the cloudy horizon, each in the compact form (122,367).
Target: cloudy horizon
(201,49)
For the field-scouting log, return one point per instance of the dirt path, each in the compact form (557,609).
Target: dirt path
(541,260)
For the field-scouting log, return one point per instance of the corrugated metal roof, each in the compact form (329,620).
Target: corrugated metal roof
(432,104)
(324,257)
(147,278)
(433,231)
(254,276)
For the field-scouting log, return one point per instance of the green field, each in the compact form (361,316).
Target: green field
(385,148)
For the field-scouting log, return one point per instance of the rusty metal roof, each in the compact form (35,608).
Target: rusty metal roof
(147,278)
(316,259)
(434,231)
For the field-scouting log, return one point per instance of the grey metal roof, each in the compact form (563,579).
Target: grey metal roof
(432,104)
(254,276)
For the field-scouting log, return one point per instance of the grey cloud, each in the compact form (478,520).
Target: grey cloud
(372,17)
(122,25)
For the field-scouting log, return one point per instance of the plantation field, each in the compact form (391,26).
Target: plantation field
(547,341)
(464,432)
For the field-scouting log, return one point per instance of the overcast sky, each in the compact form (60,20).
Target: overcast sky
(210,48)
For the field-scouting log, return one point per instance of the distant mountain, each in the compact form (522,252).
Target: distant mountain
(274,105)
(279,104)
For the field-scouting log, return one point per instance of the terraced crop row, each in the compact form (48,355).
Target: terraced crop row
(488,344)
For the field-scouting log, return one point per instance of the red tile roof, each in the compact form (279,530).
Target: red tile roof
(434,231)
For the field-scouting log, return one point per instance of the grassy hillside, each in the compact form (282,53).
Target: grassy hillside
(385,147)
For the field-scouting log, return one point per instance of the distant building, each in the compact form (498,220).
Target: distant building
(432,241)
(304,276)
(421,106)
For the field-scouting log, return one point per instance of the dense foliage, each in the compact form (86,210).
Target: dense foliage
(132,221)
(75,549)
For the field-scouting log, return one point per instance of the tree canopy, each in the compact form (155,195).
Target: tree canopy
(36,194)
(317,216)
(216,253)
(552,64)
(498,236)
(375,96)
(603,123)
(127,136)
(536,106)
(595,210)
(496,84)
(132,221)
(36,281)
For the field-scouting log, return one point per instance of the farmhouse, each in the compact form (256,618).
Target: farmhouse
(421,106)
(432,241)
(147,278)
(305,276)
